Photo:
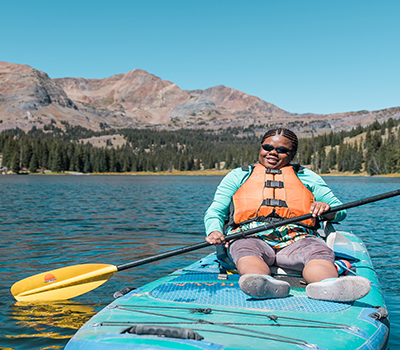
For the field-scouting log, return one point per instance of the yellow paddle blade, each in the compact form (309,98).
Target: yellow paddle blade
(61,284)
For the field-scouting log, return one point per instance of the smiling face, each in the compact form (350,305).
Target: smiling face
(272,159)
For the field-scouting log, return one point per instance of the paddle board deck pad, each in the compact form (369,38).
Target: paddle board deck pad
(202,307)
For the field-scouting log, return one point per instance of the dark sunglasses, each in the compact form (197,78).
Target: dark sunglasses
(279,149)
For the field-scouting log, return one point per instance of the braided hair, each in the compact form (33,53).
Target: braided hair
(285,133)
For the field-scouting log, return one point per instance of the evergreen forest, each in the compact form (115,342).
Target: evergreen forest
(374,149)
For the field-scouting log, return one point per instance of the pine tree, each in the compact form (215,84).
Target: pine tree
(332,156)
(27,154)
(325,167)
(357,165)
(87,166)
(78,159)
(15,168)
(113,167)
(8,152)
(33,164)
(56,165)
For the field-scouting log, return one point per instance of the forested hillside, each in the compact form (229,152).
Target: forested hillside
(374,149)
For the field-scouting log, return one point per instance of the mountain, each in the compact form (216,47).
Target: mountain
(28,97)
(136,95)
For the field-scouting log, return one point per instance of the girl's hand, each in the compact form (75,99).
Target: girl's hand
(317,208)
(217,238)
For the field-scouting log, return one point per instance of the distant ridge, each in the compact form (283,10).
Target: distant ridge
(28,97)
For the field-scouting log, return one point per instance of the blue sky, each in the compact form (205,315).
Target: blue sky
(315,56)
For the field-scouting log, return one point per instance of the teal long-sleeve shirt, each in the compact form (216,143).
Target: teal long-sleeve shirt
(218,211)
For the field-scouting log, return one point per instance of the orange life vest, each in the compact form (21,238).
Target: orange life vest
(271,195)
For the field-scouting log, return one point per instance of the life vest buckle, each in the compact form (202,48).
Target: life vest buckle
(271,202)
(274,184)
(273,171)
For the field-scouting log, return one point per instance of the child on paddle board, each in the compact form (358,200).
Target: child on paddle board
(265,193)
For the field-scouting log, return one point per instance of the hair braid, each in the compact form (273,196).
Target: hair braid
(290,135)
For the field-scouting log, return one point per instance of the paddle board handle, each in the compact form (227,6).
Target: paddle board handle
(252,231)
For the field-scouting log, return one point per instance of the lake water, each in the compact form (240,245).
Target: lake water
(49,222)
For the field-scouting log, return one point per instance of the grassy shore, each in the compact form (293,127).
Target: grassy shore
(173,172)
(207,172)
(363,173)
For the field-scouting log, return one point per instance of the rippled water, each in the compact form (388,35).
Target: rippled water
(49,222)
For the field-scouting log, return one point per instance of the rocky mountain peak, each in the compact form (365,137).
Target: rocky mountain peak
(29,88)
(28,97)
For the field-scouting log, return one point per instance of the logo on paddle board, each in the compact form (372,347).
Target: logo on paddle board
(49,278)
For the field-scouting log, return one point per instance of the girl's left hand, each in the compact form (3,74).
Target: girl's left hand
(317,208)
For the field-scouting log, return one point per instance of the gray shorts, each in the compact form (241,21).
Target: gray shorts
(295,256)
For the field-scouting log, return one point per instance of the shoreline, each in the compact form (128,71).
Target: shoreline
(196,173)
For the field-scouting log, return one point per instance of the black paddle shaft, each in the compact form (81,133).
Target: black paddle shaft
(252,231)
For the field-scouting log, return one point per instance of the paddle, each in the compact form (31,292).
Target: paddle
(71,281)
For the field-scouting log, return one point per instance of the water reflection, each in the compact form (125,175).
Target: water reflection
(43,325)
(66,314)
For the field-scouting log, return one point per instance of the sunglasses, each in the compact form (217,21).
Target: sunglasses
(279,149)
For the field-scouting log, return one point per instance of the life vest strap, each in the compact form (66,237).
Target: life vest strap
(273,171)
(274,184)
(271,202)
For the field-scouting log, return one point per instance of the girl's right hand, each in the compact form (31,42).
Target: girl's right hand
(217,238)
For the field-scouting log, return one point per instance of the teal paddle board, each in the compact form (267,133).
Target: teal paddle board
(202,307)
